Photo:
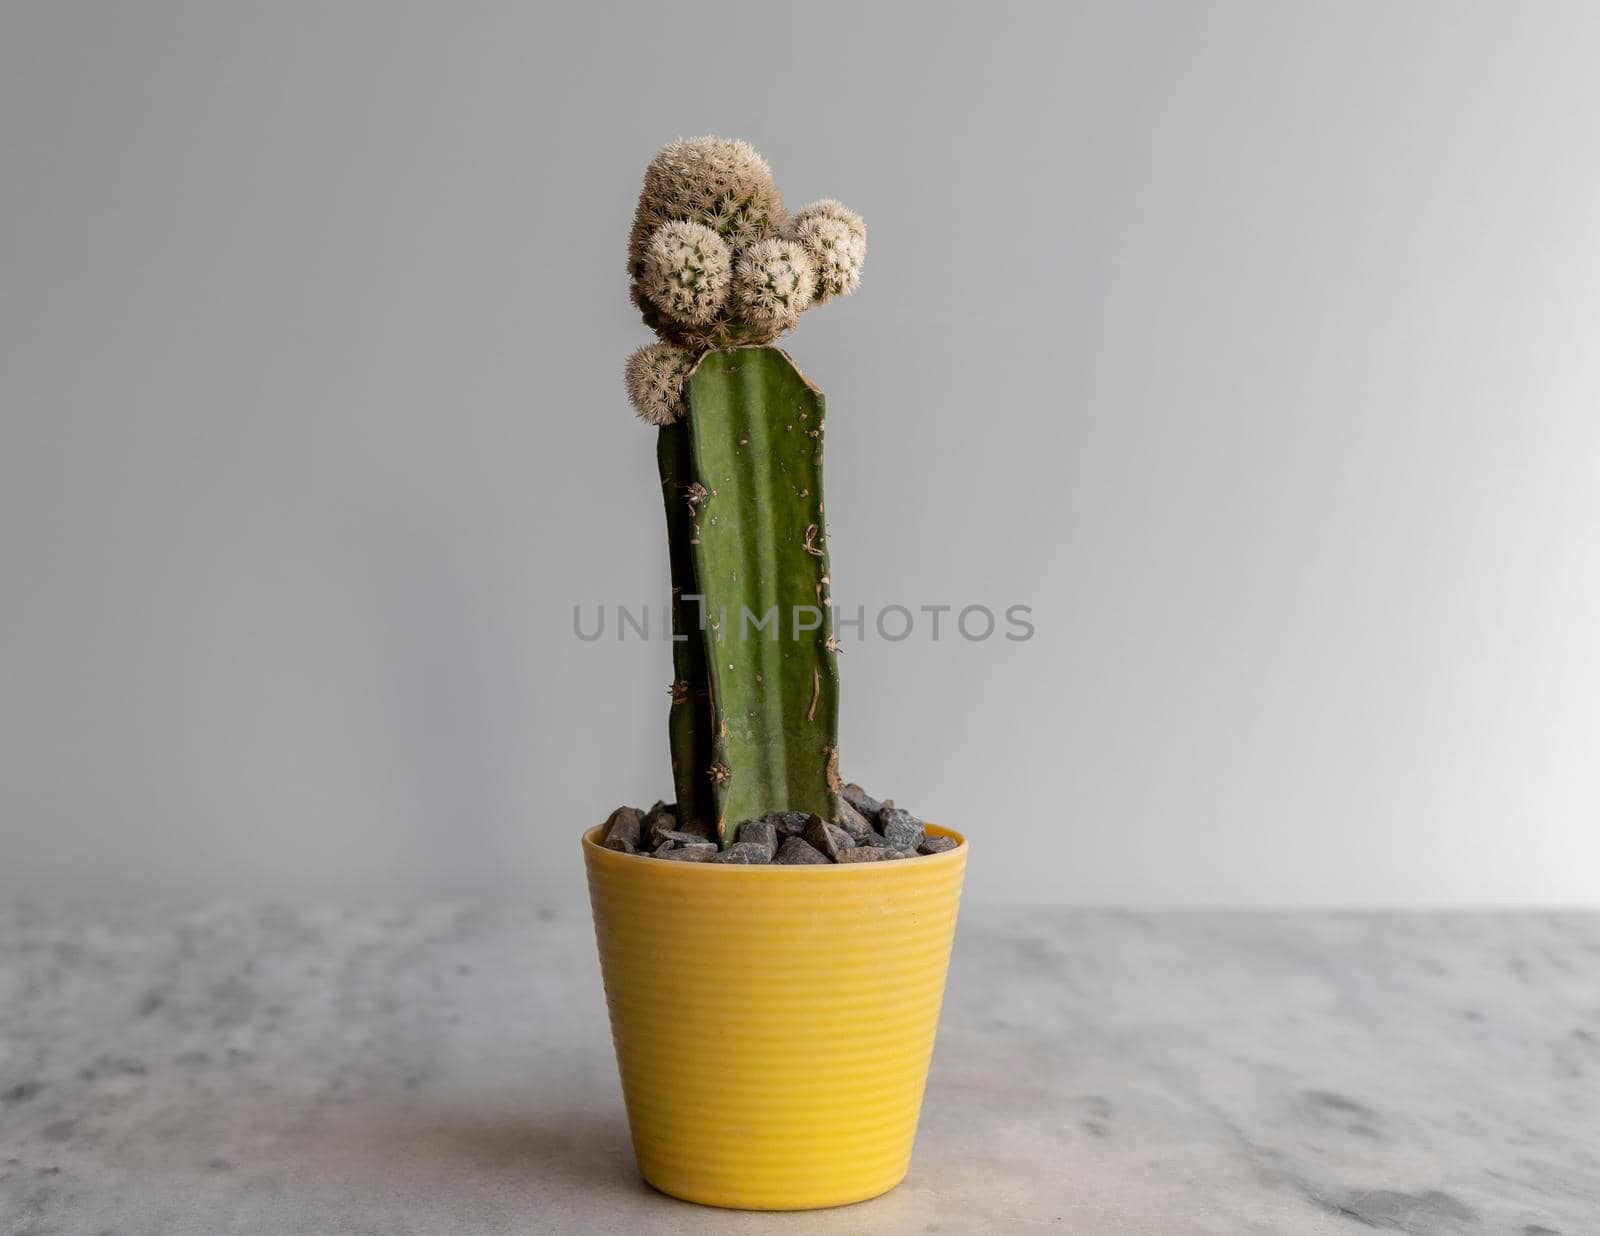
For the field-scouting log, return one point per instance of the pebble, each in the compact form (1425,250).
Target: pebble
(788,823)
(852,821)
(661,822)
(900,828)
(829,838)
(622,830)
(868,854)
(861,800)
(668,836)
(794,851)
(759,832)
(658,820)
(937,845)
(680,855)
(743,852)
(688,853)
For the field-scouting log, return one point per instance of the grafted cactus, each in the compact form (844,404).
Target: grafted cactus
(686,271)
(656,373)
(719,269)
(835,239)
(715,261)
(774,283)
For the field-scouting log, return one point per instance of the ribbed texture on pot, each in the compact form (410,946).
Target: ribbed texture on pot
(773,1025)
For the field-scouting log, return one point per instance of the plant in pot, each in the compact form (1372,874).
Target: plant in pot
(773,943)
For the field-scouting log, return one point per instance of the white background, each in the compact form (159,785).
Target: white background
(1252,345)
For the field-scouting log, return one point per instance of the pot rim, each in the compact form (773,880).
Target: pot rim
(591,845)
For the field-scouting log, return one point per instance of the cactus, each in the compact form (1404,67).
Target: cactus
(689,719)
(761,562)
(719,270)
(686,271)
(716,261)
(835,239)
(655,375)
(773,284)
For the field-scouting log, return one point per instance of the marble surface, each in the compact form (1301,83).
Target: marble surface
(443,1072)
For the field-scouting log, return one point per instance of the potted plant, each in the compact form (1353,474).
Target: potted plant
(774,943)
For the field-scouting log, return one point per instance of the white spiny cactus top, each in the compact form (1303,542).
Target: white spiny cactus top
(715,261)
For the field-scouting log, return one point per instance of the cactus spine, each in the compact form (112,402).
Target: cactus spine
(719,269)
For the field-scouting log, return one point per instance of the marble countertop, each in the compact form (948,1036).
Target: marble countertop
(448,1072)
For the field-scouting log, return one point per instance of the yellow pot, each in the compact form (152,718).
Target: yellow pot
(773,1025)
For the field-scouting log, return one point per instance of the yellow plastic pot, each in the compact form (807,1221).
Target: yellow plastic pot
(773,1025)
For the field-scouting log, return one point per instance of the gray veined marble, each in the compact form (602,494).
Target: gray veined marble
(448,1073)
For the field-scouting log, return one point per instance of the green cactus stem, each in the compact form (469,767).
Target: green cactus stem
(760,562)
(689,718)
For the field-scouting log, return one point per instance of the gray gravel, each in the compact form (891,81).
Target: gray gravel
(868,854)
(903,830)
(687,854)
(852,821)
(795,852)
(759,832)
(865,823)
(861,801)
(829,838)
(789,823)
(622,830)
(745,853)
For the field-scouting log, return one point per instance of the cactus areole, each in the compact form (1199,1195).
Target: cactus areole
(719,270)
